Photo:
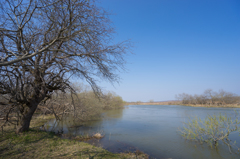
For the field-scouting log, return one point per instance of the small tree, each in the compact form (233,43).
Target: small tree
(151,101)
(212,130)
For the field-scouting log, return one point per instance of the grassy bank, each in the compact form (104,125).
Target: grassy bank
(41,144)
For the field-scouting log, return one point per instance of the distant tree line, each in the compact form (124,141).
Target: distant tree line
(210,97)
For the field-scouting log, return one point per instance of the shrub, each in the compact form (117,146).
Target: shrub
(212,130)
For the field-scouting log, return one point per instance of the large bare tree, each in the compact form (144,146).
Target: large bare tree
(45,43)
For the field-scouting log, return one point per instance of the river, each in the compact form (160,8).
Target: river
(152,129)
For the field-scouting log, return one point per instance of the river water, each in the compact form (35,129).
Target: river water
(152,129)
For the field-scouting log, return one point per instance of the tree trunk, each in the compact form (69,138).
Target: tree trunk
(26,116)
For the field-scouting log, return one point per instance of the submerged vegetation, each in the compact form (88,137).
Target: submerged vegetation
(213,130)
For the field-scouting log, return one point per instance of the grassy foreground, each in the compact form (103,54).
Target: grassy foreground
(41,144)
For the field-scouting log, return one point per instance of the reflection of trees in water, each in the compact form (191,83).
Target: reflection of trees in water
(117,113)
(70,126)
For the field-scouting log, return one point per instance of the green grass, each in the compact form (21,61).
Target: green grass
(41,144)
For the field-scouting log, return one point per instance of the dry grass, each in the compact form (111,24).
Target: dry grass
(155,103)
(41,144)
(179,103)
(214,106)
(98,136)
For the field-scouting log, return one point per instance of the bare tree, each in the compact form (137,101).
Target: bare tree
(45,43)
(19,23)
(151,101)
(209,94)
(186,98)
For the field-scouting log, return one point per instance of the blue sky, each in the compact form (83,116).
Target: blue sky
(179,46)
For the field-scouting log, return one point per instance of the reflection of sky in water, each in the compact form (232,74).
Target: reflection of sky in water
(152,129)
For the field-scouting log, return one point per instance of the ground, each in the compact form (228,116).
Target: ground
(40,144)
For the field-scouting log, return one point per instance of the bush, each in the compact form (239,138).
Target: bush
(83,105)
(212,130)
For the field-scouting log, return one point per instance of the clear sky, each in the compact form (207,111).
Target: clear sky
(179,46)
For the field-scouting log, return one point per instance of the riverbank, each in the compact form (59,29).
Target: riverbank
(213,106)
(155,103)
(178,103)
(41,144)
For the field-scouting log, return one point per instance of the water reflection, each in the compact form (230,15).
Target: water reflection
(74,127)
(152,129)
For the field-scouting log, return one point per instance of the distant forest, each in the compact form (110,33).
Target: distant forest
(210,97)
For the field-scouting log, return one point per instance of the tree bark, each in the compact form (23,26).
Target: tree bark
(26,116)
